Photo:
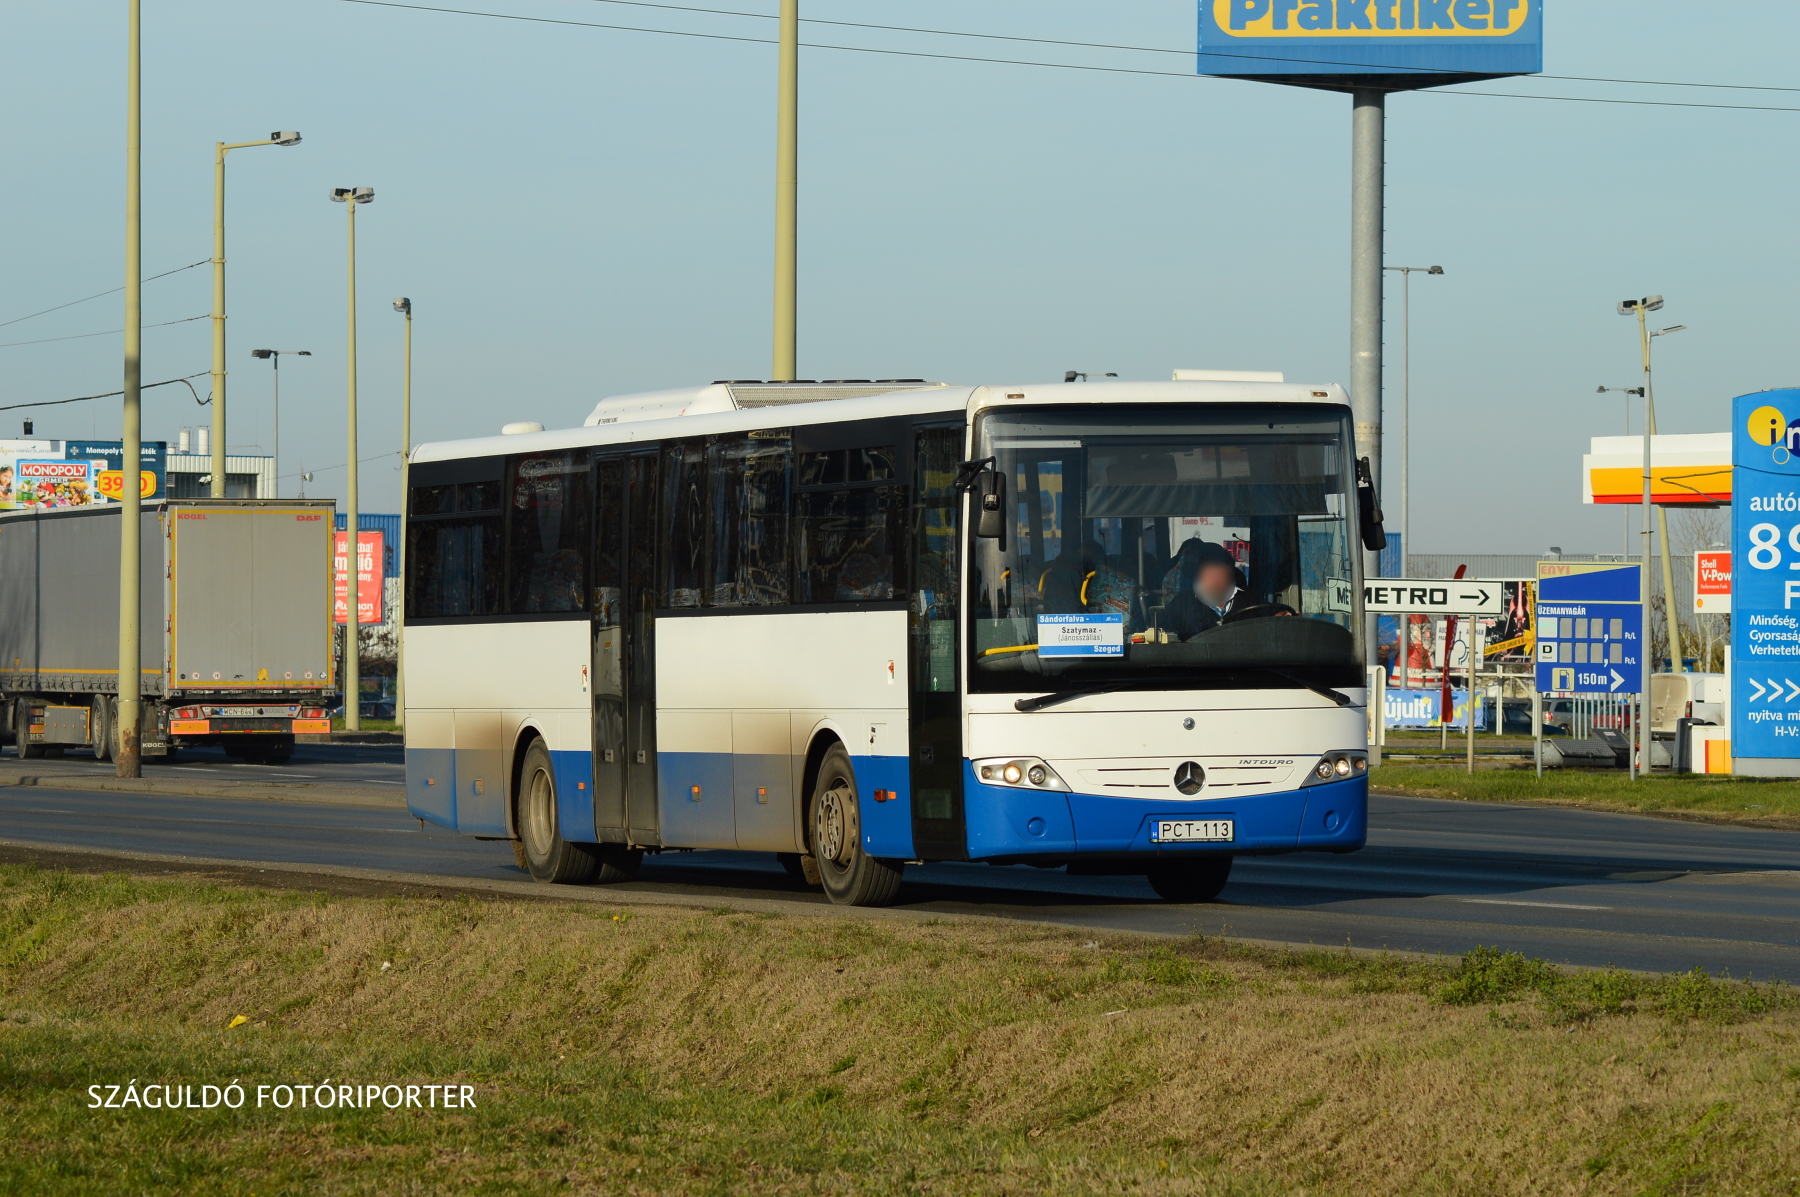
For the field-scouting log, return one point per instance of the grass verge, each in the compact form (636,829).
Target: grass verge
(1749,799)
(668,1050)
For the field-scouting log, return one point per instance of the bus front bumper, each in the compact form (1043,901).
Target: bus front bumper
(1005,823)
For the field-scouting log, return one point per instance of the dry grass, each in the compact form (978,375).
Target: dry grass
(663,1050)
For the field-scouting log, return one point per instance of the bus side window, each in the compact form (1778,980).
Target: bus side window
(749,519)
(686,524)
(548,533)
(849,521)
(453,560)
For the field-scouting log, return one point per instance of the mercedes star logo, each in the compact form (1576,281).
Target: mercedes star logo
(1188,777)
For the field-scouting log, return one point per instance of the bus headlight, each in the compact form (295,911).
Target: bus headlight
(1337,766)
(1025,773)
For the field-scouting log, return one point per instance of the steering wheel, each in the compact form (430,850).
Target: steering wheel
(1259,611)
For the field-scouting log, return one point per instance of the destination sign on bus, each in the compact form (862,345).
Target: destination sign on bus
(1081,635)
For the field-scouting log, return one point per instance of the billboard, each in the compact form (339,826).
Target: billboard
(368,578)
(1765,581)
(52,474)
(1394,44)
(1712,583)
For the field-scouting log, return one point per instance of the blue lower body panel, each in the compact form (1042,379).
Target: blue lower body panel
(886,825)
(1008,822)
(574,796)
(431,785)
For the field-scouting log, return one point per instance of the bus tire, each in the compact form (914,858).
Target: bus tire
(22,745)
(1196,880)
(549,857)
(615,862)
(850,876)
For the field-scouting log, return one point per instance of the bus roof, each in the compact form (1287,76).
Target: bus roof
(710,410)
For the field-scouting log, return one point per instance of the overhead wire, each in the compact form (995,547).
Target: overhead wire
(100,295)
(1048,41)
(104,333)
(109,394)
(1065,66)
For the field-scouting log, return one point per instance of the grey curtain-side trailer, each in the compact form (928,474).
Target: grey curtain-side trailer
(236,627)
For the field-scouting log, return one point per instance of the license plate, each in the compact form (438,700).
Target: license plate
(239,712)
(1193,831)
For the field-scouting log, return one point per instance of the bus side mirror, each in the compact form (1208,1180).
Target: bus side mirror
(990,506)
(1374,536)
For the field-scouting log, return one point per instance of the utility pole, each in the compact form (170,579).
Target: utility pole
(787,187)
(403,305)
(129,762)
(350,197)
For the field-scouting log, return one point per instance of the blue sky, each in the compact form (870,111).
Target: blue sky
(577,212)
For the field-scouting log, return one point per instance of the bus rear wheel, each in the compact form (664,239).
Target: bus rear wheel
(1197,880)
(850,876)
(548,856)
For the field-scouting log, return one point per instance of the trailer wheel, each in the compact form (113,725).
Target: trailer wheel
(550,858)
(850,876)
(100,728)
(21,722)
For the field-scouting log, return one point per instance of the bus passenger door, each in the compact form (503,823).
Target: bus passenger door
(608,666)
(939,826)
(640,649)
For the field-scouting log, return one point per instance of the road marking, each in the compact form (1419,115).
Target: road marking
(1549,905)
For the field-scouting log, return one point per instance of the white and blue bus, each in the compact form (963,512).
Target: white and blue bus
(1111,626)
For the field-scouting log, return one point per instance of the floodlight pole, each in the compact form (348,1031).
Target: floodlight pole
(128,760)
(1367,183)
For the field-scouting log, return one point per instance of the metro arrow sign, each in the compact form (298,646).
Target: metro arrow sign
(1432,596)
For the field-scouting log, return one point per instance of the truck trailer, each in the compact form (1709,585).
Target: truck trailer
(236,627)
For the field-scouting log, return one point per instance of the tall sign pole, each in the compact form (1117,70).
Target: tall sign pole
(1369,50)
(128,761)
(787,196)
(1367,189)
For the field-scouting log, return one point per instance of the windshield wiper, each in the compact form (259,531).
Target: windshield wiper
(1337,696)
(1061,696)
(1028,705)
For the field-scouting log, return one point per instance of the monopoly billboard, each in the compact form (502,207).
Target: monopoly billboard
(1393,44)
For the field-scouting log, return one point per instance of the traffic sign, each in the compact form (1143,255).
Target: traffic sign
(1590,628)
(1432,596)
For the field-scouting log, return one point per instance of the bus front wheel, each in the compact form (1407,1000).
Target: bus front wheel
(548,856)
(1197,880)
(850,876)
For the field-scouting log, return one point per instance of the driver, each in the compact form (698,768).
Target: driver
(1213,589)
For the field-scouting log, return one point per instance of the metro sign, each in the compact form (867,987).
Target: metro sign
(1432,596)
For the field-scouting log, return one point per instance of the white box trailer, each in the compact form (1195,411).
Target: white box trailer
(236,626)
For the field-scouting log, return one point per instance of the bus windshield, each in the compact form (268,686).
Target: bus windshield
(1187,547)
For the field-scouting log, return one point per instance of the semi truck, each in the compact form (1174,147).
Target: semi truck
(236,627)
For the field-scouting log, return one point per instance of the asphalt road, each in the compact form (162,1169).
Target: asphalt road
(1571,886)
(342,764)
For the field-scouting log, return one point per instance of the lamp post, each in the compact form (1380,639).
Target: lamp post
(350,197)
(1406,273)
(1628,392)
(403,305)
(218,312)
(1640,307)
(127,762)
(273,356)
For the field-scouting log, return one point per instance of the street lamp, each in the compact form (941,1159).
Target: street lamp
(1625,544)
(403,305)
(218,312)
(1640,308)
(1406,273)
(273,356)
(350,197)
